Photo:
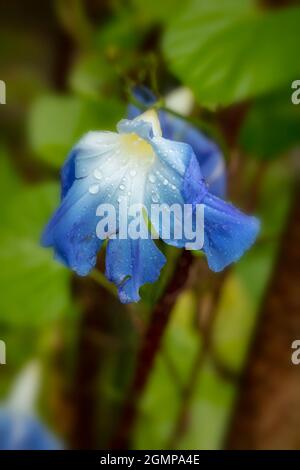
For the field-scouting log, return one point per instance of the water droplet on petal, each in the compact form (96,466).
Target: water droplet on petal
(97,174)
(155,197)
(132,173)
(152,178)
(94,188)
(166,182)
(122,187)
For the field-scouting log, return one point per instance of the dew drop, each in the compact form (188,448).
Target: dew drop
(152,178)
(94,188)
(166,182)
(132,173)
(97,174)
(155,197)
(122,187)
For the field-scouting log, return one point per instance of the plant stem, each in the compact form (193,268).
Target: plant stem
(99,277)
(148,352)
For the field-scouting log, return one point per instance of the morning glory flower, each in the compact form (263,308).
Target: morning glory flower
(139,164)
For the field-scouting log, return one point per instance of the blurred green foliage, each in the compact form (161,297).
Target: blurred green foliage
(57,122)
(35,288)
(233,50)
(275,122)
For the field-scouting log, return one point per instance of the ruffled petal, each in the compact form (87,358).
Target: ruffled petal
(86,155)
(194,186)
(164,187)
(208,154)
(72,231)
(67,173)
(132,263)
(105,171)
(228,233)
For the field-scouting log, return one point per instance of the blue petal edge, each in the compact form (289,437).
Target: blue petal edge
(131,264)
(228,233)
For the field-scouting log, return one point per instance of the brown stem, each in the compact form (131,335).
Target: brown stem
(149,349)
(251,199)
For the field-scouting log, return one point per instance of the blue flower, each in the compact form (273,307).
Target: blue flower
(141,164)
(20,431)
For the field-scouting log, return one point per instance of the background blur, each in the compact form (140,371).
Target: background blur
(204,360)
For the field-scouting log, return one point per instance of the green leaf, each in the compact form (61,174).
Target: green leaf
(92,76)
(209,411)
(123,32)
(9,179)
(156,10)
(271,127)
(233,50)
(57,122)
(34,287)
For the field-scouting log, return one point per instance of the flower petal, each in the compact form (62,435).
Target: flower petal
(86,155)
(208,154)
(72,230)
(132,263)
(228,233)
(165,184)
(67,173)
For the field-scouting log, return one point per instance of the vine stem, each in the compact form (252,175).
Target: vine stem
(99,277)
(150,346)
(206,330)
